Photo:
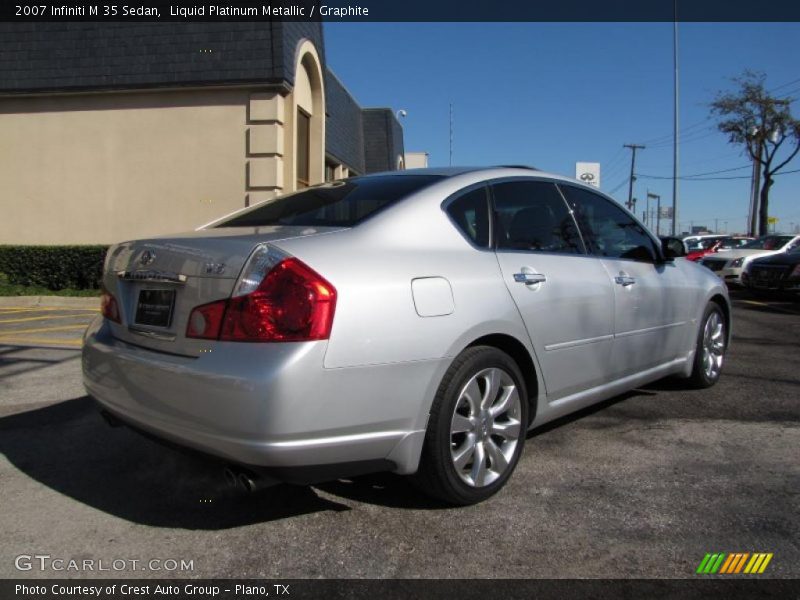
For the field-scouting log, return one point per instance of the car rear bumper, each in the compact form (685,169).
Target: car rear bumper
(270,405)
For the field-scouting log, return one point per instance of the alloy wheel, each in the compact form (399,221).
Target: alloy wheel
(713,345)
(485,427)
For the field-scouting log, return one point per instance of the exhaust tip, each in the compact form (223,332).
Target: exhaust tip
(247,481)
(111,419)
(230,478)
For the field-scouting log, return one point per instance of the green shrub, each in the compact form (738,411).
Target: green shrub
(54,267)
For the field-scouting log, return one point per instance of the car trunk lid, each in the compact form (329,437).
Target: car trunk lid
(157,282)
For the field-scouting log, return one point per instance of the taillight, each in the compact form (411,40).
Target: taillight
(205,320)
(109,307)
(277,299)
(292,303)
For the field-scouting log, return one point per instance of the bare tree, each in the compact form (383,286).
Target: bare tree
(762,123)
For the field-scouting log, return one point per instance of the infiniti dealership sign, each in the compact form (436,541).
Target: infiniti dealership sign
(588,173)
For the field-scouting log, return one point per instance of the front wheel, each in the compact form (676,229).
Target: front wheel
(476,428)
(712,342)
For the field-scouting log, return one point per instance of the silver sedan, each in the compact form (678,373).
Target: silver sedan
(419,322)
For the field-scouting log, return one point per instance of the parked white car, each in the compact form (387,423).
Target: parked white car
(730,264)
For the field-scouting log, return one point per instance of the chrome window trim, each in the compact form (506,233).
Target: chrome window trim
(660,259)
(554,182)
(445,205)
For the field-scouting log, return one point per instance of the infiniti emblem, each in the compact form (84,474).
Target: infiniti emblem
(587,177)
(147,257)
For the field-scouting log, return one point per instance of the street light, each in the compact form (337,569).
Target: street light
(658,210)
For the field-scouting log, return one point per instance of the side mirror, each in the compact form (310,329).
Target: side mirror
(673,247)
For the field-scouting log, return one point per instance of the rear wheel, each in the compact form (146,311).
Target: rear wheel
(712,342)
(476,429)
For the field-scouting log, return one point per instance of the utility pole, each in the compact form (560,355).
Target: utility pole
(675,118)
(633,148)
(755,188)
(716,225)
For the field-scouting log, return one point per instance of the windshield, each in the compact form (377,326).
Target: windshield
(733,243)
(768,242)
(336,204)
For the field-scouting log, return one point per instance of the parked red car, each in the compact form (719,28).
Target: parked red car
(715,244)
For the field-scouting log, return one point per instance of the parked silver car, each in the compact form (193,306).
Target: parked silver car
(418,321)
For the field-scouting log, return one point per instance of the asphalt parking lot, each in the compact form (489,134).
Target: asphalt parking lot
(48,326)
(643,485)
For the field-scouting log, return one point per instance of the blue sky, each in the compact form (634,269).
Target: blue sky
(551,94)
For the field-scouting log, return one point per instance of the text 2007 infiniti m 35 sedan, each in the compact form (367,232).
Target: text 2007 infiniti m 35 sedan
(418,322)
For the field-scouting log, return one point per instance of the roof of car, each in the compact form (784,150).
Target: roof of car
(453,171)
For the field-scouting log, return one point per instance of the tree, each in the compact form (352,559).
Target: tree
(762,123)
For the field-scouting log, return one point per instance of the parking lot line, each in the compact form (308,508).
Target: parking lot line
(40,342)
(13,309)
(41,318)
(771,305)
(42,329)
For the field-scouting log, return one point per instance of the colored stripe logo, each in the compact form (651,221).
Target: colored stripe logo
(733,563)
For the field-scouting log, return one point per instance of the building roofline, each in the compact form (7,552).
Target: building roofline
(330,72)
(270,83)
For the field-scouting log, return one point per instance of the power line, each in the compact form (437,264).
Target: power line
(623,182)
(696,178)
(668,137)
(784,85)
(717,172)
(693,178)
(692,137)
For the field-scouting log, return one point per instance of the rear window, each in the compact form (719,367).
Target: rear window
(336,204)
(768,242)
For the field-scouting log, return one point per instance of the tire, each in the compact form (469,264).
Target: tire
(476,430)
(712,342)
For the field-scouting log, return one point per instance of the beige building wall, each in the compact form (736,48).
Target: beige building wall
(103,168)
(108,167)
(416,160)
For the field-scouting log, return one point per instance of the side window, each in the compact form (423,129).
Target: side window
(607,229)
(470,212)
(531,215)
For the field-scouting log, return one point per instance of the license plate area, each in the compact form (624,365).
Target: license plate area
(154,308)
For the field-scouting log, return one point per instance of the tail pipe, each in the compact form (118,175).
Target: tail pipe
(246,480)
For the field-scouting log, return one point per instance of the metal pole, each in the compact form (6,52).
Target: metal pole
(675,123)
(647,212)
(658,217)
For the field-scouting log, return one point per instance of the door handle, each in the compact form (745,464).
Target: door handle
(529,278)
(625,280)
